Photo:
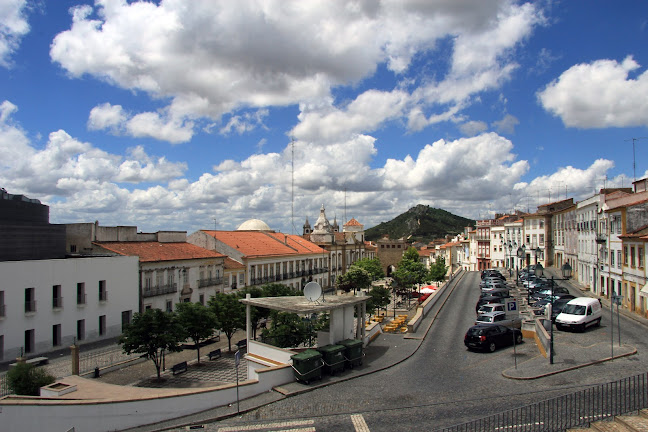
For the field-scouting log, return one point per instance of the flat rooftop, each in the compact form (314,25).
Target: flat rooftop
(301,305)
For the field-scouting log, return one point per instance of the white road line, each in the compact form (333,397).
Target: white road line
(272,426)
(359,423)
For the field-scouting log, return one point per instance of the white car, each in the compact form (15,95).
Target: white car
(498,318)
(491,307)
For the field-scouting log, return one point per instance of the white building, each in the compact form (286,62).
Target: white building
(46,305)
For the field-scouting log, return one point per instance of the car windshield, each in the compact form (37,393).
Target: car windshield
(573,309)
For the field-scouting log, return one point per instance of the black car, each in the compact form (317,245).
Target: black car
(489,337)
(492,273)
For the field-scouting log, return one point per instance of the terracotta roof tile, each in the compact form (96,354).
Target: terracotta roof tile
(258,244)
(353,222)
(156,251)
(231,264)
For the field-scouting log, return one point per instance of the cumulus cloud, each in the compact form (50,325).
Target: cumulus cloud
(507,124)
(210,58)
(598,95)
(13,27)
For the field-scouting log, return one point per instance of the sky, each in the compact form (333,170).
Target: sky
(202,114)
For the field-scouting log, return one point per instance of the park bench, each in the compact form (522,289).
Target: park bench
(179,368)
(36,361)
(215,354)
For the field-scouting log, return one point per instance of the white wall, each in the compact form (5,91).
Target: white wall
(120,274)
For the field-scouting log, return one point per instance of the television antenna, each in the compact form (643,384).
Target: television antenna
(634,166)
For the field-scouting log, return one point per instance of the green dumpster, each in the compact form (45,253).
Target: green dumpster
(352,352)
(307,365)
(333,358)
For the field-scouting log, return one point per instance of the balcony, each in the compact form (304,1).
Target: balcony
(207,282)
(30,306)
(160,290)
(57,302)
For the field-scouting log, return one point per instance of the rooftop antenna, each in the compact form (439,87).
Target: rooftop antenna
(345,217)
(292,184)
(214,223)
(634,167)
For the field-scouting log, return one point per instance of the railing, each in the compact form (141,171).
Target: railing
(579,409)
(202,283)
(57,302)
(102,358)
(4,385)
(159,290)
(30,306)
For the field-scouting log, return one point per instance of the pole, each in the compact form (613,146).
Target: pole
(551,342)
(618,321)
(612,325)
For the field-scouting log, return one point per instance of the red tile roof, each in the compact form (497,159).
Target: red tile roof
(156,251)
(259,244)
(231,264)
(353,222)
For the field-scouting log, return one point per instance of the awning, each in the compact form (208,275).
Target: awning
(644,290)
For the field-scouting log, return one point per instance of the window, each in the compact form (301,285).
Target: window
(57,298)
(81,295)
(126,318)
(185,275)
(625,255)
(618,259)
(202,299)
(103,294)
(541,239)
(1,347)
(80,329)
(159,275)
(169,306)
(2,306)
(612,259)
(56,335)
(148,281)
(242,278)
(640,257)
(632,256)
(30,339)
(102,325)
(73,248)
(30,300)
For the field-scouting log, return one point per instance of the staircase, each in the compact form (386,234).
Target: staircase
(624,423)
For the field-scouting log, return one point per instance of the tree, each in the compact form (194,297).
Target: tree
(371,265)
(409,271)
(438,270)
(152,333)
(289,330)
(197,321)
(354,278)
(379,297)
(229,313)
(26,379)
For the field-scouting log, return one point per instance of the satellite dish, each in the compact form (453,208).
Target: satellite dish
(312,291)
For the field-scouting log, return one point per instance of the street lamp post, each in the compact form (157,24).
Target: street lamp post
(521,252)
(510,266)
(566,273)
(537,252)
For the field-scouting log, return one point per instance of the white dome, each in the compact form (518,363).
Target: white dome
(254,225)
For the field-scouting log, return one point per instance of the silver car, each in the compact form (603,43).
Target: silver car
(498,318)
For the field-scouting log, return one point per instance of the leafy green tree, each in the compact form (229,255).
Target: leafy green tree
(229,313)
(26,379)
(289,330)
(152,333)
(438,270)
(379,297)
(278,290)
(197,321)
(354,278)
(372,266)
(409,271)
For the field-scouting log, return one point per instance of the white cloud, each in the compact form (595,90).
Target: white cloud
(209,58)
(246,122)
(473,128)
(507,124)
(13,26)
(107,116)
(599,95)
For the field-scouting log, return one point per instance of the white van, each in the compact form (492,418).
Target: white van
(579,313)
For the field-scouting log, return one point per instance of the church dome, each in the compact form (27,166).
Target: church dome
(254,225)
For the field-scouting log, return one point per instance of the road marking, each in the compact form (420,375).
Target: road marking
(272,426)
(359,423)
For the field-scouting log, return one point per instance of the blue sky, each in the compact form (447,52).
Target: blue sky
(190,114)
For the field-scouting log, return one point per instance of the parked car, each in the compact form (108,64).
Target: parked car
(499,292)
(494,287)
(491,336)
(579,313)
(491,307)
(486,300)
(498,318)
(548,292)
(491,272)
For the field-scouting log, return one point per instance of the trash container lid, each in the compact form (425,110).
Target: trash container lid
(332,349)
(350,342)
(309,354)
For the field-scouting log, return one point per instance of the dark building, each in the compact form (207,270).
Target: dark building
(25,231)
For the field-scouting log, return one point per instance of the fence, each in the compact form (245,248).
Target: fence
(4,385)
(103,358)
(569,411)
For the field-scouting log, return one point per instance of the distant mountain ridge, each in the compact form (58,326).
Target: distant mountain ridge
(421,223)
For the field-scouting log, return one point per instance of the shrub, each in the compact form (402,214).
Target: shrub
(26,379)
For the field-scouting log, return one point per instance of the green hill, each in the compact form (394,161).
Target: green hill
(421,223)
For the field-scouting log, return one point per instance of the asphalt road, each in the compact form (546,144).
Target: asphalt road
(443,383)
